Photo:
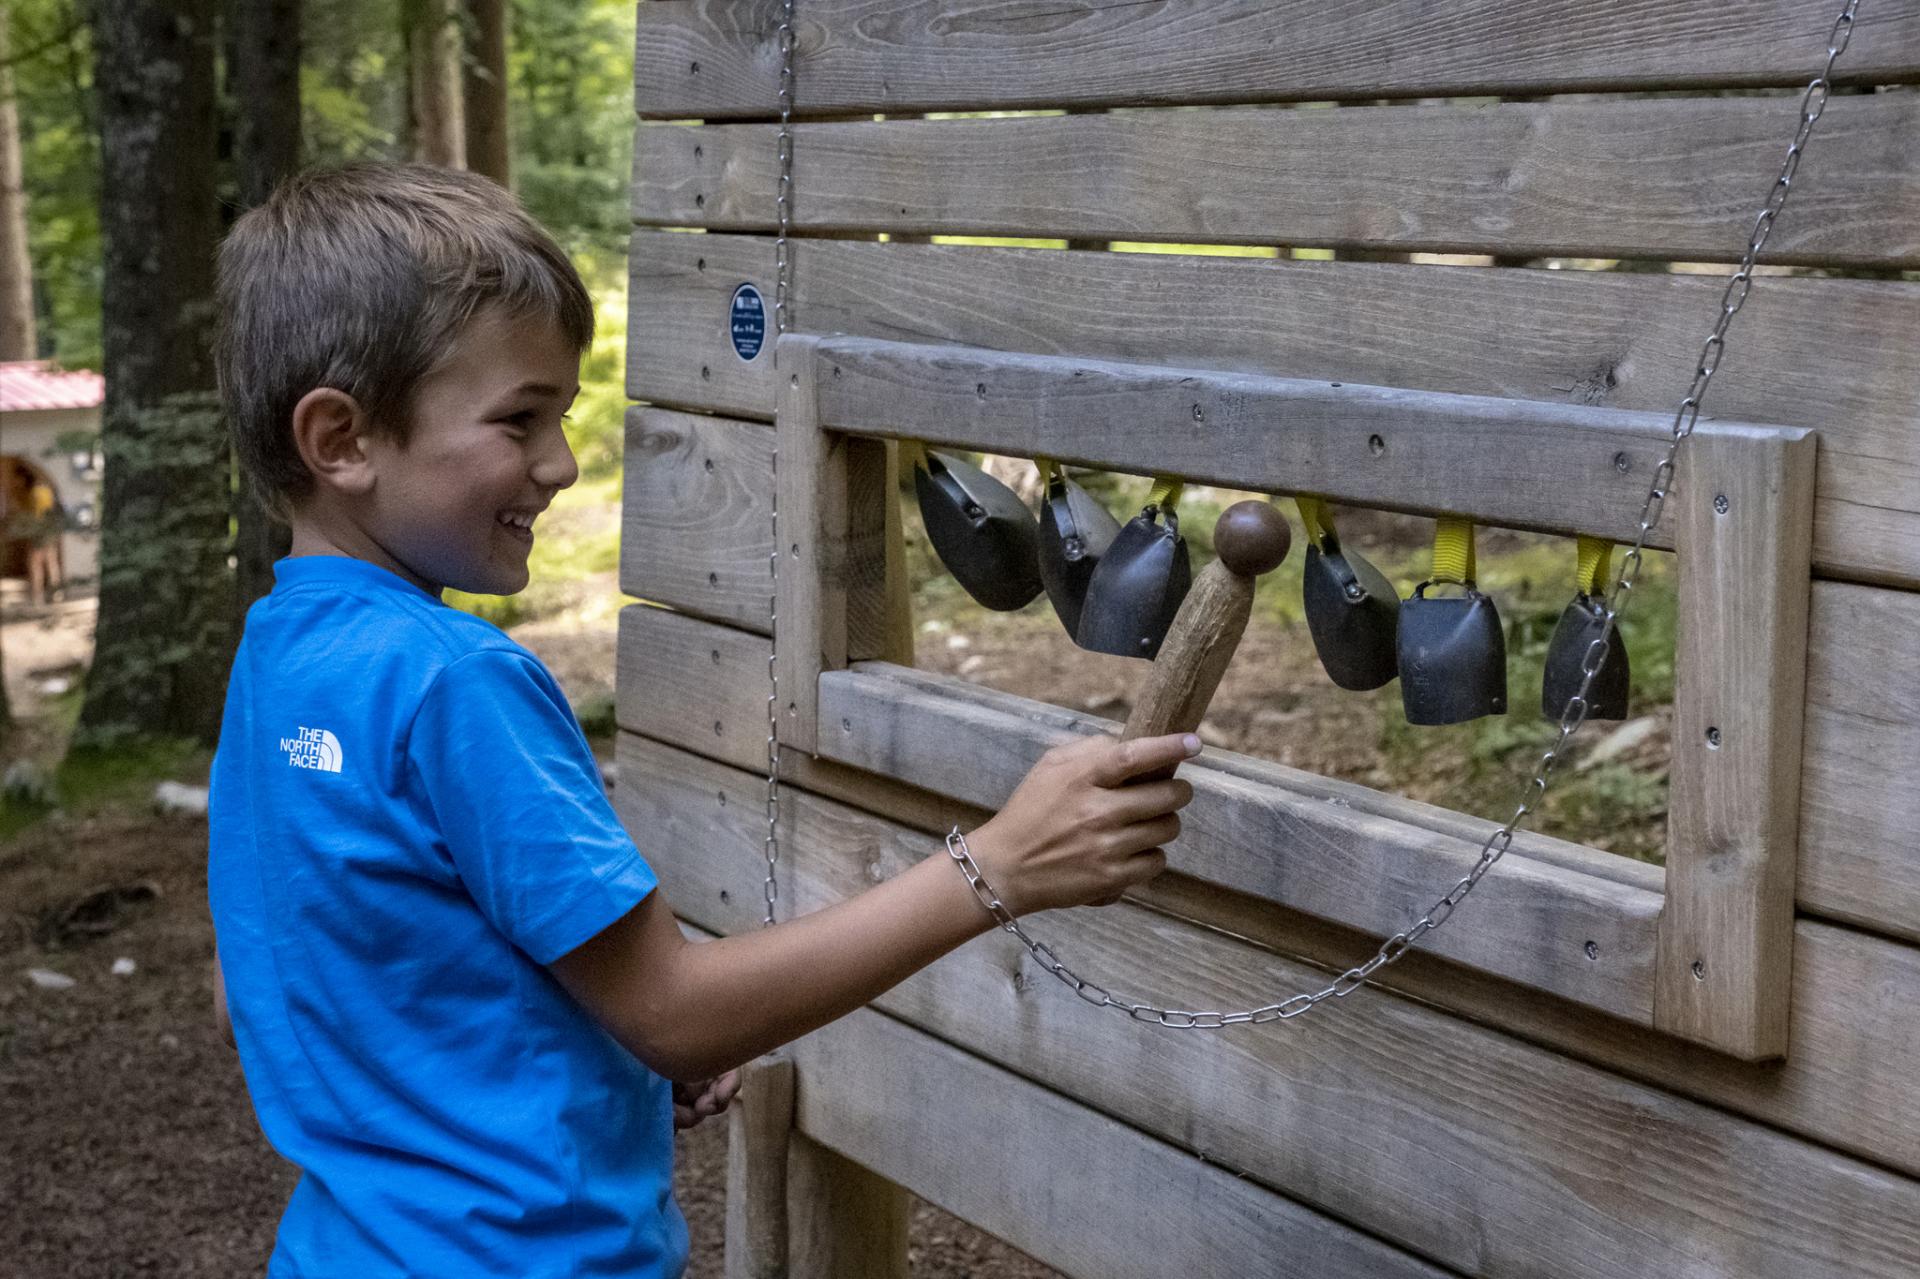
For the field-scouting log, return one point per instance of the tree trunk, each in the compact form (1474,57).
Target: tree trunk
(488,151)
(18,340)
(263,76)
(164,637)
(433,62)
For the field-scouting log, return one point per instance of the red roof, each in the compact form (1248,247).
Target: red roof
(35,384)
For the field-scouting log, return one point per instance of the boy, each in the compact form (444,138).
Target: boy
(457,991)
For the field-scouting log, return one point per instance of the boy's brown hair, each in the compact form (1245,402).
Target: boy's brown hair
(361,279)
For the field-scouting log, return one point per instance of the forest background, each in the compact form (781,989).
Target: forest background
(132,133)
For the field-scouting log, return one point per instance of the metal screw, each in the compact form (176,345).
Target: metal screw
(713,579)
(697,153)
(1713,739)
(1593,950)
(709,465)
(1199,414)
(980,389)
(693,69)
(700,201)
(1376,444)
(846,726)
(699,264)
(716,728)
(706,373)
(1699,970)
(1720,503)
(716,657)
(1622,463)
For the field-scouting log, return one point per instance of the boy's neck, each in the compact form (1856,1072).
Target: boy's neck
(317,531)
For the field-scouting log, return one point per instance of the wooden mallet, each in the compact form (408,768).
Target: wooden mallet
(1251,538)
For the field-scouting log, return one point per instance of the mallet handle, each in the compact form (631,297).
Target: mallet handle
(1194,656)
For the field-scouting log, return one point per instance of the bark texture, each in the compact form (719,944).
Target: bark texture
(164,637)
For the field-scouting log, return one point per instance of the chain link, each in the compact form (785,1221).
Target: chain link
(1812,104)
(782,287)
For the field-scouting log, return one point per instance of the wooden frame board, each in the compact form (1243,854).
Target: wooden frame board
(1722,965)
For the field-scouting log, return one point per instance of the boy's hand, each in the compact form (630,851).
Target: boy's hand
(1076,833)
(703,1100)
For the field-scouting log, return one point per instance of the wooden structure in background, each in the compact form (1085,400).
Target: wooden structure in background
(1555,1089)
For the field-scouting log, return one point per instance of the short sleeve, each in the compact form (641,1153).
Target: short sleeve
(519,801)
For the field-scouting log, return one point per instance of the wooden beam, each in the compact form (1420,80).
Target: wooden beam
(1522,1162)
(695,528)
(759,1132)
(1586,938)
(1055,1178)
(1619,179)
(1826,352)
(1517,463)
(1859,808)
(716,58)
(1726,931)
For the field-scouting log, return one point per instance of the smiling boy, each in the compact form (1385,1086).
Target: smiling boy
(456,988)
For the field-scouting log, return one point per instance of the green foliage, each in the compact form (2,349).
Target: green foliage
(60,154)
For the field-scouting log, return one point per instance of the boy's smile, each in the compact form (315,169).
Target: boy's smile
(488,451)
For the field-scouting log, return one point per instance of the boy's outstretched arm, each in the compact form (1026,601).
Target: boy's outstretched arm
(1074,833)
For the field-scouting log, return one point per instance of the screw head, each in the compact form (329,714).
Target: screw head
(1720,504)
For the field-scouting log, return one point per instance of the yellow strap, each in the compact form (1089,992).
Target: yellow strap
(913,453)
(1596,572)
(1315,515)
(1166,493)
(1453,550)
(1047,468)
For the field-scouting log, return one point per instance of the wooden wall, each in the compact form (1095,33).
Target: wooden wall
(1446,1121)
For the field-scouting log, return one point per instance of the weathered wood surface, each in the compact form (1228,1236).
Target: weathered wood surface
(1740,665)
(1859,860)
(1835,355)
(759,1132)
(1615,179)
(1859,801)
(1580,936)
(1083,1193)
(719,58)
(696,526)
(1852,999)
(1519,463)
(1491,1155)
(847,1221)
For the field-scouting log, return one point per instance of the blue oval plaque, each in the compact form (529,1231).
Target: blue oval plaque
(747,321)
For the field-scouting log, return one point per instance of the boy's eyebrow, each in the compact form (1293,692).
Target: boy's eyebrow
(546,388)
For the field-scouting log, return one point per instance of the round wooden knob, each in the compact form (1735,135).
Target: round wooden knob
(1252,538)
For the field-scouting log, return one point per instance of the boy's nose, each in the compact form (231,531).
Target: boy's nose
(555,466)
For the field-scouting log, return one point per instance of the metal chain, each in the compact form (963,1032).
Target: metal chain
(782,286)
(1812,104)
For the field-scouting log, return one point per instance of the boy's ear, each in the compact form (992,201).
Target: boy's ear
(328,429)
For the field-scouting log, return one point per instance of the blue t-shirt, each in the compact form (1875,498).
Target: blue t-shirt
(406,826)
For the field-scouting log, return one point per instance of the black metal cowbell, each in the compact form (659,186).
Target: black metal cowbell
(1075,533)
(1453,657)
(1583,622)
(1138,587)
(1353,614)
(982,531)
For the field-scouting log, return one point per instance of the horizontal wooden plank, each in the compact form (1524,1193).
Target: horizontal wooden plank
(702,687)
(1859,804)
(1518,463)
(939,1121)
(1486,1153)
(695,526)
(719,58)
(1675,178)
(1831,354)
(1586,938)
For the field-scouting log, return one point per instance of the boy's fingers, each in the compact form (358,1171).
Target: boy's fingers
(1128,760)
(1144,801)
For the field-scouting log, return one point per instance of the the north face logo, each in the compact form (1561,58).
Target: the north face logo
(313,748)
